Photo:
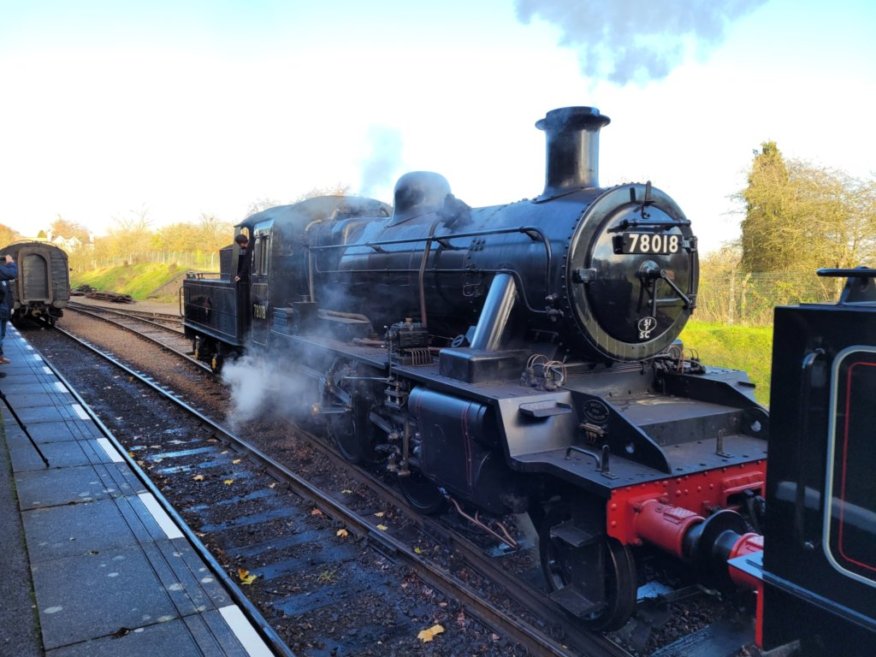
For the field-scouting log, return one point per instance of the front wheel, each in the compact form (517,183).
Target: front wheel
(566,566)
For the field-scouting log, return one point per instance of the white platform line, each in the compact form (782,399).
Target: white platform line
(60,387)
(83,415)
(245,632)
(47,370)
(111,451)
(37,358)
(160,515)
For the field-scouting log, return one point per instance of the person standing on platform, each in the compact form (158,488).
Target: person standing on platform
(8,272)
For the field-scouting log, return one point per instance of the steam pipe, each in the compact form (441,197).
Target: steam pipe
(572,135)
(495,313)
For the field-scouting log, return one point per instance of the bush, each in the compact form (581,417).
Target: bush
(747,348)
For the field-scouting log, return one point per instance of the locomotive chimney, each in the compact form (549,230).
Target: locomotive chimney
(572,148)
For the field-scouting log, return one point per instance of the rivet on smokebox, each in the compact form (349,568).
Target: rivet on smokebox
(314,409)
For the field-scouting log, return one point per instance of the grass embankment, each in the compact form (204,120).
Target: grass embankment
(746,348)
(153,281)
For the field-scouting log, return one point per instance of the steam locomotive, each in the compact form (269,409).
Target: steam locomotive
(521,358)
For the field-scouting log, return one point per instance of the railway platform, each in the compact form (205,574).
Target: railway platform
(94,563)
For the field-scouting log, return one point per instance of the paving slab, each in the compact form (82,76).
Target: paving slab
(89,596)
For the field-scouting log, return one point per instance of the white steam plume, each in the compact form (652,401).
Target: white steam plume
(641,40)
(384,163)
(266,387)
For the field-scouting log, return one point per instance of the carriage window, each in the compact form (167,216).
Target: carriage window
(850,487)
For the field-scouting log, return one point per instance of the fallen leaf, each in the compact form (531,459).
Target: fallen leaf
(417,550)
(316,512)
(228,482)
(326,577)
(428,635)
(347,491)
(382,528)
(380,514)
(198,477)
(245,577)
(236,461)
(343,533)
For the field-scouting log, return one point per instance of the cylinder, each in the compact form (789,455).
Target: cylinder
(495,313)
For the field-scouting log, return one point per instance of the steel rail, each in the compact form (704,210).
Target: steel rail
(96,314)
(148,315)
(520,631)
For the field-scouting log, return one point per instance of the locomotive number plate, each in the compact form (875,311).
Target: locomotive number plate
(647,243)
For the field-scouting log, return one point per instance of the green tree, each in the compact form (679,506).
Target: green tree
(800,217)
(768,218)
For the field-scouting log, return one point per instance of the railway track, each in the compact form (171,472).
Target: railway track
(214,453)
(162,329)
(469,557)
(173,320)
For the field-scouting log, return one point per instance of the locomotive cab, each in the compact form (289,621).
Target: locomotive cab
(819,561)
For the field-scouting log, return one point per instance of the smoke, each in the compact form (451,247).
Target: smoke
(384,162)
(641,40)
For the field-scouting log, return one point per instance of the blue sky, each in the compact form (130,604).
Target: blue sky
(171,109)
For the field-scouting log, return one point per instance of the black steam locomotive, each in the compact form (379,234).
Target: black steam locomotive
(42,289)
(524,358)
(520,358)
